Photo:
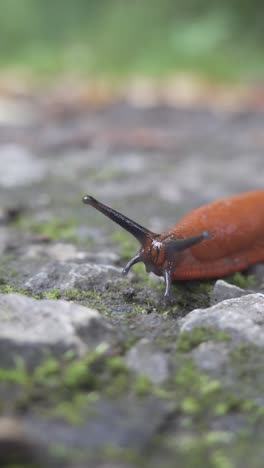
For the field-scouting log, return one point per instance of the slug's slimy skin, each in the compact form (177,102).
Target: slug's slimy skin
(209,242)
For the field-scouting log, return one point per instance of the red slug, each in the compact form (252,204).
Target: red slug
(209,242)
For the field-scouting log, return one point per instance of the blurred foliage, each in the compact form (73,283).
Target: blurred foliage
(218,39)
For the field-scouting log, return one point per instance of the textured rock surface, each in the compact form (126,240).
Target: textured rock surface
(211,356)
(223,290)
(125,424)
(243,318)
(144,359)
(30,327)
(68,276)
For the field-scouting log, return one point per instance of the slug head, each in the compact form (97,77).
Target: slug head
(159,254)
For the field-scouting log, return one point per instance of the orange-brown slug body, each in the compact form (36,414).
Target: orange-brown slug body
(209,242)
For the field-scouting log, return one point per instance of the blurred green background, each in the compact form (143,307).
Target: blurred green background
(120,38)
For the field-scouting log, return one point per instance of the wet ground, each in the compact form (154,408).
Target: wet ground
(131,389)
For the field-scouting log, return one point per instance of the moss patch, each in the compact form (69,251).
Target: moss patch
(67,385)
(189,340)
(242,280)
(67,389)
(54,229)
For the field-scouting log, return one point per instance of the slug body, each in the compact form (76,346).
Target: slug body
(209,242)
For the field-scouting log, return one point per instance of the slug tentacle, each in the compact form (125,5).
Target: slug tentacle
(132,262)
(175,246)
(138,231)
(178,245)
(167,279)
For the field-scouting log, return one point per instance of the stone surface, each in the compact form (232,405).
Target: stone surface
(125,424)
(65,252)
(30,327)
(67,276)
(242,318)
(211,356)
(223,290)
(147,360)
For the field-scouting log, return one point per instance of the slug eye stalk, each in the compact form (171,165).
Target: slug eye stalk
(135,229)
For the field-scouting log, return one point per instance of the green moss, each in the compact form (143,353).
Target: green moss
(60,380)
(78,375)
(189,295)
(8,289)
(189,340)
(71,411)
(52,294)
(142,385)
(200,395)
(190,405)
(242,280)
(54,229)
(76,294)
(92,299)
(17,375)
(64,389)
(206,449)
(46,370)
(220,460)
(185,296)
(116,365)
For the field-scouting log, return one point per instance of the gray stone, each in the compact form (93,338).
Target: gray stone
(211,356)
(223,290)
(126,422)
(145,359)
(68,275)
(242,318)
(66,252)
(30,327)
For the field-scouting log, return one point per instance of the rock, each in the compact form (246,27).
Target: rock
(146,360)
(223,290)
(242,318)
(31,327)
(125,422)
(211,356)
(66,276)
(65,252)
(60,251)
